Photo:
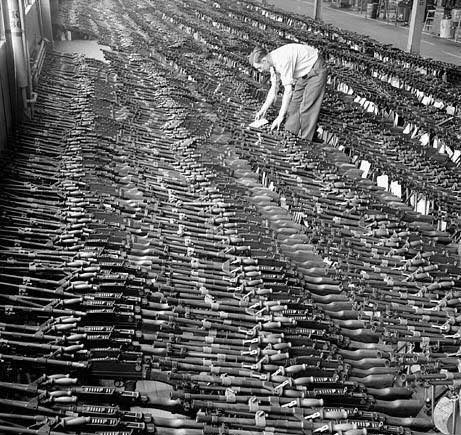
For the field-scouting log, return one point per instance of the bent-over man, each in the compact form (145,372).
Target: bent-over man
(302,71)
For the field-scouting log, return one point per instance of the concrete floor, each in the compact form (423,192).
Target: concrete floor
(89,48)
(387,33)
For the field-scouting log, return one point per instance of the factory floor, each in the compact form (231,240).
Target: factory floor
(386,33)
(167,270)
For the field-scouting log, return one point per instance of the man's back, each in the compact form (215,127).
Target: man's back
(293,61)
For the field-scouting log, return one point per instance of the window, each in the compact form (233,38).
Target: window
(2,23)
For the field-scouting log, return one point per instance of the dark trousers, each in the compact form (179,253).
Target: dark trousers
(304,108)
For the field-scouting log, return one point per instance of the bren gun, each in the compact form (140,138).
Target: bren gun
(181,280)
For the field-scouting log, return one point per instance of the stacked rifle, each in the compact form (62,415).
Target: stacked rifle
(167,270)
(149,289)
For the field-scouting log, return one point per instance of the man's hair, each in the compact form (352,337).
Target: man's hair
(256,55)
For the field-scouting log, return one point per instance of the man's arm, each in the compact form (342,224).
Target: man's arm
(271,95)
(287,94)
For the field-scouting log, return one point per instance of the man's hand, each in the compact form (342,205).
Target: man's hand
(277,122)
(261,113)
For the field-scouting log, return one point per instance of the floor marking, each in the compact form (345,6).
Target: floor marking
(451,54)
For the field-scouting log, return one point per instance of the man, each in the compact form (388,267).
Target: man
(303,74)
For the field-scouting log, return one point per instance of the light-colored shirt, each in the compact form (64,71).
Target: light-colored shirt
(293,61)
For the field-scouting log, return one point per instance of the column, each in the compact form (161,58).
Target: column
(416,26)
(318,10)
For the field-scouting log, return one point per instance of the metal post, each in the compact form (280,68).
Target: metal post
(318,10)
(416,26)
(19,55)
(10,63)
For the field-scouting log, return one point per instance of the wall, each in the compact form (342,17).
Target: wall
(33,30)
(8,109)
